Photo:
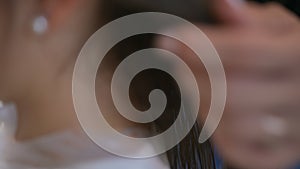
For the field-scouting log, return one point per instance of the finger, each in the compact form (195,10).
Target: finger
(229,12)
(281,97)
(254,140)
(263,128)
(249,155)
(273,16)
(251,104)
(242,51)
(247,150)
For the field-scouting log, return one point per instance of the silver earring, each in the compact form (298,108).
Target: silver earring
(40,25)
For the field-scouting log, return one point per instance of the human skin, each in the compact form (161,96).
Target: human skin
(259,48)
(36,72)
(36,69)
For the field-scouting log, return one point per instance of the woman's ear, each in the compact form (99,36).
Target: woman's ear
(59,12)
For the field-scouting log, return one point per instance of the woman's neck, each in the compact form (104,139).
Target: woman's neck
(50,109)
(45,110)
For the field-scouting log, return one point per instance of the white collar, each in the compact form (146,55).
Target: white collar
(65,150)
(8,119)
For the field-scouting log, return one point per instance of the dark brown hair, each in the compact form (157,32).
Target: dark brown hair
(188,154)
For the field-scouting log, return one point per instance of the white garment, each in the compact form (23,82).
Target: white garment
(66,150)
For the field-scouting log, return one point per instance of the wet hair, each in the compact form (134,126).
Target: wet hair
(188,154)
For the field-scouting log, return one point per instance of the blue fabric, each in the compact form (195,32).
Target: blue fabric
(298,167)
(219,162)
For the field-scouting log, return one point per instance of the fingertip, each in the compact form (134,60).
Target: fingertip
(228,11)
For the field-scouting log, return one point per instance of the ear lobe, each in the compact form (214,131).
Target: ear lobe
(229,11)
(58,11)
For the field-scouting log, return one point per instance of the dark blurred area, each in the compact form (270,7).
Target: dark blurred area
(293,5)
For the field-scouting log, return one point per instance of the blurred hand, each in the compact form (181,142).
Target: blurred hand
(259,47)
